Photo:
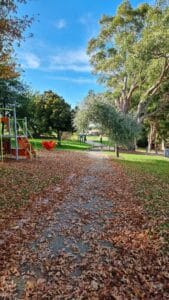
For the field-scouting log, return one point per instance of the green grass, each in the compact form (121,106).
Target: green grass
(149,164)
(65,145)
(73,145)
(150,178)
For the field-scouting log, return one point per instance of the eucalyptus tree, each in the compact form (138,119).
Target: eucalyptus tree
(122,129)
(131,54)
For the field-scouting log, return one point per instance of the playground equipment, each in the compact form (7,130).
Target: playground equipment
(14,141)
(49,145)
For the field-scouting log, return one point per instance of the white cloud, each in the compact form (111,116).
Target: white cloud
(30,60)
(70,60)
(60,24)
(79,80)
(86,19)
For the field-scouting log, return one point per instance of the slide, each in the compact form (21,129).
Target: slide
(26,148)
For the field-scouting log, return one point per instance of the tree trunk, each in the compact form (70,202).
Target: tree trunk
(3,115)
(117,150)
(151,136)
(135,144)
(156,143)
(162,145)
(59,133)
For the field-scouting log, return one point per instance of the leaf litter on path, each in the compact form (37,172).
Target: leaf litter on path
(83,237)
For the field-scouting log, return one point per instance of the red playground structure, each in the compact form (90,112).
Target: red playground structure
(14,141)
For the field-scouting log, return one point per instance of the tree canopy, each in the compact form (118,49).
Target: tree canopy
(121,128)
(130,54)
(52,113)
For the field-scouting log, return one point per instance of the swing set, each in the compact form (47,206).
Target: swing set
(14,141)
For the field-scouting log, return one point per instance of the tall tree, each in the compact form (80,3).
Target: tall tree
(130,54)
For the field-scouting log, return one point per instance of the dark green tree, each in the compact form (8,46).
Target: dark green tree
(14,92)
(53,114)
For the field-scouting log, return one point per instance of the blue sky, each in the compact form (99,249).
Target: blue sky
(55,57)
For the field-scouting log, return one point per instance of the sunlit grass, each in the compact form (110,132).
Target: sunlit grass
(148,164)
(65,144)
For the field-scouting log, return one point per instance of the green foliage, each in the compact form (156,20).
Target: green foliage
(52,113)
(158,114)
(46,113)
(12,90)
(122,129)
(130,54)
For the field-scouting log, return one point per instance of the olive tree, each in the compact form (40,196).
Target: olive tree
(122,129)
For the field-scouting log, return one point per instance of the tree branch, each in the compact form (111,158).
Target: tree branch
(152,90)
(133,87)
(143,104)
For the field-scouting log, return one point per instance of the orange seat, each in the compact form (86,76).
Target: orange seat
(49,145)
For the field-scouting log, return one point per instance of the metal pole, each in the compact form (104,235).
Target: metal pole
(2,154)
(10,139)
(15,129)
(26,127)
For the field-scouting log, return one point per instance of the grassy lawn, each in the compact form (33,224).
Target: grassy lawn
(150,178)
(71,144)
(65,145)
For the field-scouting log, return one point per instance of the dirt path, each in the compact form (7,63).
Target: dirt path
(96,146)
(90,241)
